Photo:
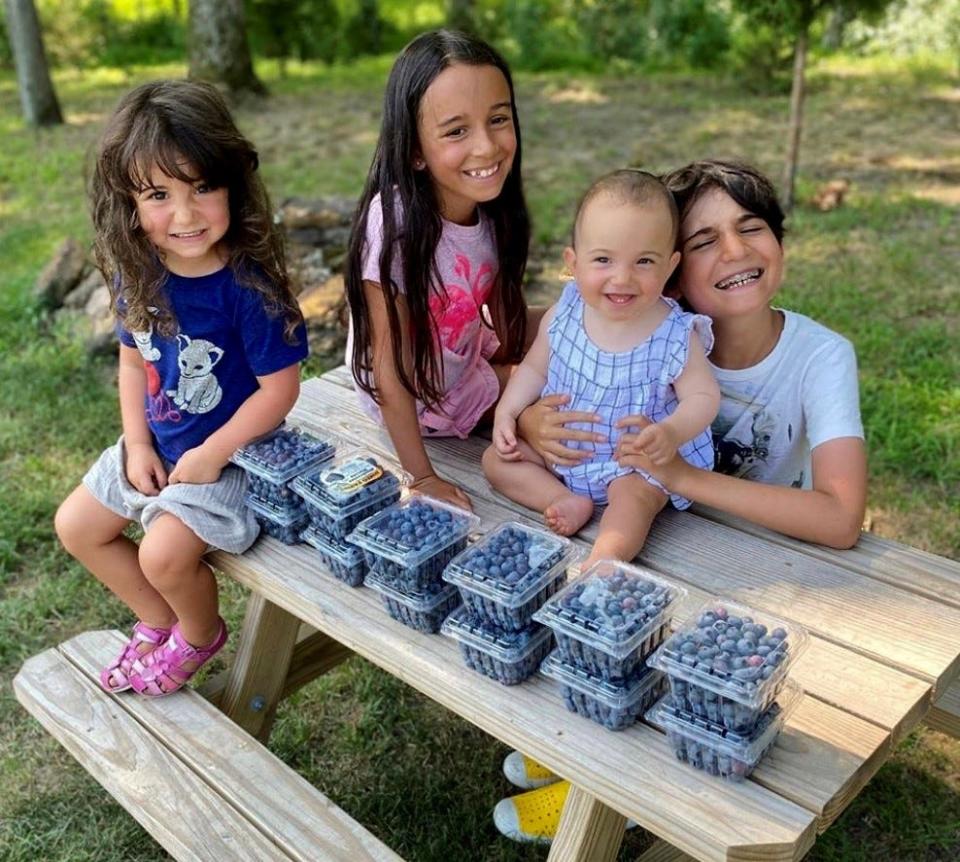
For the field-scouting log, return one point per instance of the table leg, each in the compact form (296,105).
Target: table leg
(661,851)
(259,672)
(589,830)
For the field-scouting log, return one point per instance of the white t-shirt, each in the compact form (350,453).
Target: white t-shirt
(774,414)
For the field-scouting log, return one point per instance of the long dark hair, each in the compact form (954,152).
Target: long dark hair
(393,178)
(178,125)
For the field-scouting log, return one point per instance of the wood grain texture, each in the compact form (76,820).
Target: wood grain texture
(663,852)
(189,734)
(588,831)
(945,713)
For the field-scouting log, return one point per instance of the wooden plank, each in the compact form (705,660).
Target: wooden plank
(298,817)
(164,795)
(945,713)
(865,686)
(657,791)
(660,851)
(588,831)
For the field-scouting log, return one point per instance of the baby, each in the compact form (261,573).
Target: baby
(619,348)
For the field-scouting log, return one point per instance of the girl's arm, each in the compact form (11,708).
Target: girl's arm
(699,399)
(144,468)
(830,513)
(397,406)
(263,411)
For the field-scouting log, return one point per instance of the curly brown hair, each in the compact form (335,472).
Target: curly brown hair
(181,125)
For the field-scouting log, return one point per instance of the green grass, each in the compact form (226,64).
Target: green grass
(881,270)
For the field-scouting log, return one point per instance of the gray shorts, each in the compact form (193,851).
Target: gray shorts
(216,512)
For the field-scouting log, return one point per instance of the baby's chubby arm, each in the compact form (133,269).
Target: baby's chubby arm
(699,400)
(524,387)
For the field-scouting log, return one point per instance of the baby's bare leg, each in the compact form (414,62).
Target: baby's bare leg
(93,534)
(531,484)
(633,504)
(170,555)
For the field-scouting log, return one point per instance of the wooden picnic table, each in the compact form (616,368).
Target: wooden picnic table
(884,622)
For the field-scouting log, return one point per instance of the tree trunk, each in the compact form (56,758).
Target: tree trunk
(39,101)
(219,51)
(796,119)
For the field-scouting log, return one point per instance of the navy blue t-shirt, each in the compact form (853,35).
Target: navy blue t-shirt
(197,379)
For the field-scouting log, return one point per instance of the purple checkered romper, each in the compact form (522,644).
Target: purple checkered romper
(615,385)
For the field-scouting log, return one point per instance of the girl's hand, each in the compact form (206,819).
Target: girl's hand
(505,438)
(658,442)
(543,426)
(196,467)
(145,469)
(433,486)
(630,453)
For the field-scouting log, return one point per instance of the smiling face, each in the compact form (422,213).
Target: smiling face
(624,256)
(732,262)
(467,138)
(185,221)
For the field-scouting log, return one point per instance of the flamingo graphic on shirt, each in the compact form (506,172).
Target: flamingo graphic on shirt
(458,308)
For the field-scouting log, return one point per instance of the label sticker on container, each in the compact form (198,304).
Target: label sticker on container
(351,476)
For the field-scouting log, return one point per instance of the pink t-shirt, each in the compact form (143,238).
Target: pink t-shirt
(466,257)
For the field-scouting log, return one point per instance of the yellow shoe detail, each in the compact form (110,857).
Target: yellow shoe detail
(534,815)
(535,771)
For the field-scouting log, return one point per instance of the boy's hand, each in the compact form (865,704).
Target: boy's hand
(145,469)
(658,442)
(433,486)
(505,438)
(196,467)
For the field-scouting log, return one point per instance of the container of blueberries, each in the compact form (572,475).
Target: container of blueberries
(272,461)
(608,620)
(345,561)
(509,573)
(717,750)
(728,663)
(509,657)
(410,542)
(614,705)
(283,522)
(346,490)
(422,609)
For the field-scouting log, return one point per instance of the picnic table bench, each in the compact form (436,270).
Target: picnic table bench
(884,655)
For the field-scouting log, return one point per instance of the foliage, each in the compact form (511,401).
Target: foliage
(304,29)
(696,32)
(912,27)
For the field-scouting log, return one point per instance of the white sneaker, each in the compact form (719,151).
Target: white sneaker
(525,772)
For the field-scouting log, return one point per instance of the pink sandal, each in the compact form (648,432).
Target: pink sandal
(145,639)
(169,667)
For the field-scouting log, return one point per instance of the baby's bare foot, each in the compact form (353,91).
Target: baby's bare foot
(568,513)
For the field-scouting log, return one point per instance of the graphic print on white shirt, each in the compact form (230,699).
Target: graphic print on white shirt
(198,390)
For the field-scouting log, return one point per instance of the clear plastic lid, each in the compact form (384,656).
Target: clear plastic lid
(347,554)
(283,454)
(615,696)
(738,652)
(352,481)
(508,647)
(422,601)
(413,530)
(612,607)
(282,515)
(510,563)
(749,748)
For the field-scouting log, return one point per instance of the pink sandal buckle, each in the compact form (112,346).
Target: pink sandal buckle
(170,666)
(144,640)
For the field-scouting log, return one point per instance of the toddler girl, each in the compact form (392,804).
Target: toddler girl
(619,348)
(438,250)
(210,343)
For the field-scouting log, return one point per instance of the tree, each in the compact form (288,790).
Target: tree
(461,15)
(39,101)
(219,51)
(796,17)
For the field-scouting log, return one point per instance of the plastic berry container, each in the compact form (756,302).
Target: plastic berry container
(345,561)
(509,573)
(719,751)
(728,662)
(411,541)
(610,619)
(614,705)
(346,490)
(509,657)
(423,610)
(280,522)
(272,461)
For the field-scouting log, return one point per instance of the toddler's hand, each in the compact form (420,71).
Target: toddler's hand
(145,469)
(505,438)
(196,467)
(439,489)
(658,442)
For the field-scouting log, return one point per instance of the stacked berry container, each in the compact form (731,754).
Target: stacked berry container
(345,561)
(615,706)
(728,663)
(716,749)
(406,547)
(271,463)
(509,657)
(606,624)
